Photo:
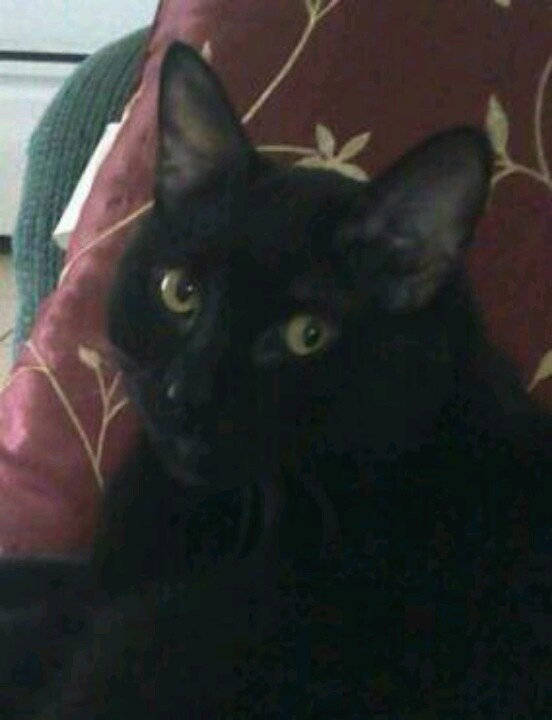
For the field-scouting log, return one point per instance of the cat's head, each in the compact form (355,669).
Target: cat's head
(269,317)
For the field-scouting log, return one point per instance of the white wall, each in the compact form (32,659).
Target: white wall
(69,25)
(24,94)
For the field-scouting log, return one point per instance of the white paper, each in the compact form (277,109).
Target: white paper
(70,217)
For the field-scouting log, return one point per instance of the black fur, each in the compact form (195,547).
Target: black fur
(358,533)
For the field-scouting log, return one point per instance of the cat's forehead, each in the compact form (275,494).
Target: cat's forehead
(296,205)
(283,221)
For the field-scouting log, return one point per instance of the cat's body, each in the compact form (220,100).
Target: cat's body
(339,510)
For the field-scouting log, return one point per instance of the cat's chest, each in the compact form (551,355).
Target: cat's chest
(302,631)
(391,603)
(379,561)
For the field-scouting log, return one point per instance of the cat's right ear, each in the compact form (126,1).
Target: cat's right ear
(199,134)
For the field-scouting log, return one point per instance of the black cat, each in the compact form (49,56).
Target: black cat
(339,509)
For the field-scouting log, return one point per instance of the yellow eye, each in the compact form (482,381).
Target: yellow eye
(179,293)
(306,334)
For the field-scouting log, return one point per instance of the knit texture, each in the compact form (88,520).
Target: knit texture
(59,148)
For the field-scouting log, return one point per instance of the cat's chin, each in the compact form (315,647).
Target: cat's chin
(185,476)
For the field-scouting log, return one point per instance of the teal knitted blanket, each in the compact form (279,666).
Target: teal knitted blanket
(60,146)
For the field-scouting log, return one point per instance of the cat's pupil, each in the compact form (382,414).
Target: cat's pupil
(312,335)
(184,289)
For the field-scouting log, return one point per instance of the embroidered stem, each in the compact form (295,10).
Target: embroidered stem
(315,16)
(20,371)
(71,414)
(291,149)
(512,167)
(104,236)
(539,113)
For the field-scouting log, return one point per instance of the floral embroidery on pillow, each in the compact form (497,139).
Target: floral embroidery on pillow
(324,156)
(498,127)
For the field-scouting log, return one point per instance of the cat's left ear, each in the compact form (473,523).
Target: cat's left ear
(200,135)
(409,227)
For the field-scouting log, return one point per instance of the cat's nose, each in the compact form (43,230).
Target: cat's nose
(169,401)
(180,393)
(173,392)
(175,397)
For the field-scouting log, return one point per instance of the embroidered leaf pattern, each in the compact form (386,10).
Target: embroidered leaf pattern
(207,51)
(110,405)
(348,169)
(355,172)
(89,357)
(325,141)
(313,6)
(324,156)
(497,126)
(543,372)
(354,146)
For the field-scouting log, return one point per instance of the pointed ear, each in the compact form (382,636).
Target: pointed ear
(200,135)
(410,225)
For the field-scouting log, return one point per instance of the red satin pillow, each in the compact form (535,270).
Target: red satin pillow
(337,83)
